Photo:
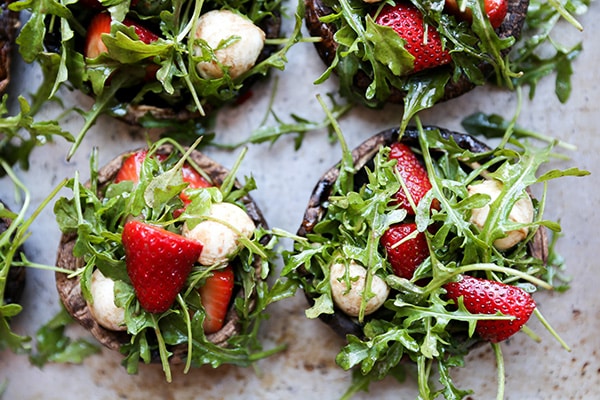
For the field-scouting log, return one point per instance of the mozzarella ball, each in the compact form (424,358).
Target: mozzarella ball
(103,307)
(220,25)
(221,242)
(348,299)
(522,212)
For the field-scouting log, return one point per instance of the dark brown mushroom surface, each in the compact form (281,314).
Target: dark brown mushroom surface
(9,24)
(362,155)
(15,282)
(69,289)
(327,47)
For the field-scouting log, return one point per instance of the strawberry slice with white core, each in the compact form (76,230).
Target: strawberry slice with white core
(215,296)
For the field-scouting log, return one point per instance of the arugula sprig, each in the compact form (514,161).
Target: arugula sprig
(539,54)
(12,242)
(21,133)
(417,323)
(97,213)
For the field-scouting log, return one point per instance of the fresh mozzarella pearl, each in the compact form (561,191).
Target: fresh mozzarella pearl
(219,25)
(348,299)
(219,240)
(522,212)
(103,307)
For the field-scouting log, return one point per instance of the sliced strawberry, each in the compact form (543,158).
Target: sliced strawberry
(413,174)
(482,296)
(405,254)
(407,21)
(100,24)
(130,169)
(158,263)
(496,11)
(144,34)
(194,179)
(215,296)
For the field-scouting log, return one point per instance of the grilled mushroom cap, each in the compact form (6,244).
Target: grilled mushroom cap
(69,290)
(9,23)
(15,283)
(177,111)
(326,48)
(362,155)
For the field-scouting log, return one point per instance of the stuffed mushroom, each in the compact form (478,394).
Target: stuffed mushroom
(199,296)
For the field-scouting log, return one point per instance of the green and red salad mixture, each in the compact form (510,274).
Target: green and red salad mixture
(179,249)
(419,245)
(156,63)
(420,52)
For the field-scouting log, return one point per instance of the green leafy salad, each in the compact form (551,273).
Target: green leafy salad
(148,62)
(374,65)
(93,222)
(417,324)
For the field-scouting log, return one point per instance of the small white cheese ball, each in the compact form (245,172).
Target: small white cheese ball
(219,240)
(348,299)
(219,25)
(522,212)
(103,307)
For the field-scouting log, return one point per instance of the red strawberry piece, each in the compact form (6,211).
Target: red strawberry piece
(130,169)
(496,11)
(413,174)
(144,34)
(405,254)
(407,21)
(194,179)
(215,296)
(158,263)
(483,296)
(100,24)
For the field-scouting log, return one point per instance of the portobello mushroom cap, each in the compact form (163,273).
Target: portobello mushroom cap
(326,48)
(69,289)
(158,108)
(362,155)
(15,281)
(9,24)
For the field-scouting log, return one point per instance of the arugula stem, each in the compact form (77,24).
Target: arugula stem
(188,323)
(536,338)
(190,85)
(550,329)
(565,14)
(162,348)
(440,281)
(191,25)
(500,370)
(267,353)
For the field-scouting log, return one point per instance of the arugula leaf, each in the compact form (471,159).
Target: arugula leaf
(52,345)
(538,54)
(15,145)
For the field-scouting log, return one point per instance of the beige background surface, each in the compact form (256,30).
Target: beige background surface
(285,178)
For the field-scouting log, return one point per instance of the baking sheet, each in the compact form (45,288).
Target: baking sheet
(285,178)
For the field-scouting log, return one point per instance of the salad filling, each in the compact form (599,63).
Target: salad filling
(137,221)
(373,56)
(425,247)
